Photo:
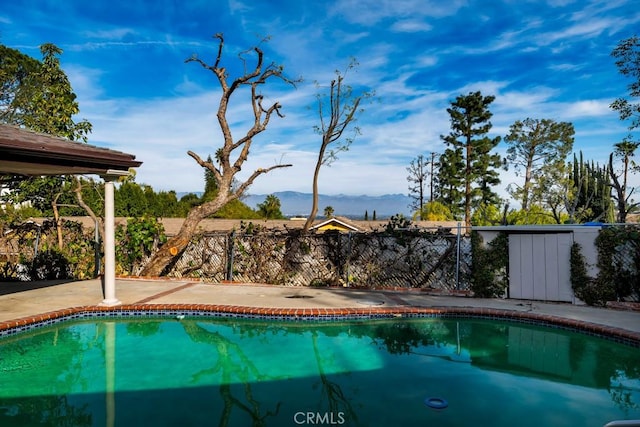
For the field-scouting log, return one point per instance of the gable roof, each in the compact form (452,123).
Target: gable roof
(27,153)
(337,222)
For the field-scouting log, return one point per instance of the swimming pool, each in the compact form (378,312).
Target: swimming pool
(240,372)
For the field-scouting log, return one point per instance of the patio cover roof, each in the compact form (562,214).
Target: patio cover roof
(27,153)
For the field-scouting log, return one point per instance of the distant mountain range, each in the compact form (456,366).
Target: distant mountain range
(293,203)
(299,204)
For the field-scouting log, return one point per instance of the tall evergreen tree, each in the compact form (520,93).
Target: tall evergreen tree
(468,142)
(450,183)
(210,184)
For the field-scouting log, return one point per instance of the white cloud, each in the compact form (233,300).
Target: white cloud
(588,108)
(370,12)
(410,26)
(112,34)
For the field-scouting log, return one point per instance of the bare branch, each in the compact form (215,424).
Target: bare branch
(260,171)
(207,165)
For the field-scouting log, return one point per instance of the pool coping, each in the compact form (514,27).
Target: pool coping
(13,327)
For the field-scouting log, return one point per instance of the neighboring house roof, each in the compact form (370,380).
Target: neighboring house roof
(27,153)
(340,224)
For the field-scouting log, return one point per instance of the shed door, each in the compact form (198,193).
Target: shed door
(539,266)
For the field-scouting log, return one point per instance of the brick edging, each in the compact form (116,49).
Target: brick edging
(609,332)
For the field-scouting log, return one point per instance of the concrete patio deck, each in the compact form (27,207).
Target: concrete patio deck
(19,300)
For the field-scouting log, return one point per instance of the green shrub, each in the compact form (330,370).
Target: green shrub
(489,266)
(136,242)
(592,291)
(49,265)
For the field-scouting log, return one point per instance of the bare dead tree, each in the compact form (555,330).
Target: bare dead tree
(232,155)
(335,118)
(624,203)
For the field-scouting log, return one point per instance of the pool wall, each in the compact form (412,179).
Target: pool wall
(17,326)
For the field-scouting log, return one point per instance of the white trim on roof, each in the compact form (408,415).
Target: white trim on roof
(335,221)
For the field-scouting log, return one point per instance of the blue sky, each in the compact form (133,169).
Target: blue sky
(125,59)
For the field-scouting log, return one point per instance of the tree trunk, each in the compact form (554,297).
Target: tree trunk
(56,218)
(467,187)
(527,182)
(99,223)
(620,197)
(316,174)
(433,157)
(176,244)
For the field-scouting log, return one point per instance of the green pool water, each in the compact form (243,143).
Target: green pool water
(240,372)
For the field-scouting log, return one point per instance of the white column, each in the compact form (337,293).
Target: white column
(109,245)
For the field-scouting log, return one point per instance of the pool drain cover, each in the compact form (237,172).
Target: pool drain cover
(436,403)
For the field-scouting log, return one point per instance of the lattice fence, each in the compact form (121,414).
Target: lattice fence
(432,259)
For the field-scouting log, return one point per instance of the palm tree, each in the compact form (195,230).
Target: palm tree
(270,208)
(625,149)
(328,211)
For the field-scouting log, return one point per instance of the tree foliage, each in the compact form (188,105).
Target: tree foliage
(39,96)
(46,103)
(15,71)
(270,208)
(434,211)
(534,147)
(450,182)
(468,143)
(627,56)
(489,263)
(136,241)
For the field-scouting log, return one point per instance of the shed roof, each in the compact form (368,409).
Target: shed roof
(27,153)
